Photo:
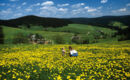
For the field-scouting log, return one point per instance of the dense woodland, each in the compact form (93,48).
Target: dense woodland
(35,20)
(103,21)
(1,35)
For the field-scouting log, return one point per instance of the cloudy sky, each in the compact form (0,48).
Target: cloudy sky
(10,9)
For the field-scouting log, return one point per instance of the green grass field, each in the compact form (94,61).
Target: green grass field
(9,33)
(85,31)
(82,29)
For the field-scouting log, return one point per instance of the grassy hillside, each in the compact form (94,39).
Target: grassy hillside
(84,31)
(9,34)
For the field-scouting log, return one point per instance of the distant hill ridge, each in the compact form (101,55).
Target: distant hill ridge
(103,21)
(59,22)
(35,20)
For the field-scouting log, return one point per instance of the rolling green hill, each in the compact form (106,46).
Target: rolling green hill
(84,31)
(9,33)
(89,30)
(104,21)
(35,20)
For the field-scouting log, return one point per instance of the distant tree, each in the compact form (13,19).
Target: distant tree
(59,39)
(122,38)
(118,25)
(28,26)
(86,41)
(1,35)
(76,39)
(124,34)
(127,33)
(94,41)
(20,38)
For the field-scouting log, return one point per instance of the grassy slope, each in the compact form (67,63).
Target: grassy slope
(81,28)
(66,31)
(83,31)
(11,32)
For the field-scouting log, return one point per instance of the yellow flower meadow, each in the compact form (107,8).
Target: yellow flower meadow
(45,62)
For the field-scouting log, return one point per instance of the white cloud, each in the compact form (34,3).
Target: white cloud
(77,11)
(34,5)
(7,5)
(6,12)
(28,10)
(120,10)
(47,3)
(128,4)
(86,10)
(78,5)
(51,9)
(104,1)
(19,7)
(44,8)
(37,4)
(18,14)
(92,10)
(2,4)
(24,3)
(99,7)
(96,14)
(63,5)
(44,13)
(13,0)
(63,9)
(89,9)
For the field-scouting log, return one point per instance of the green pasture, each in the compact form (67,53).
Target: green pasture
(84,31)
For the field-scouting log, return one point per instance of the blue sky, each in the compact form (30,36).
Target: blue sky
(10,9)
